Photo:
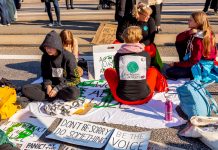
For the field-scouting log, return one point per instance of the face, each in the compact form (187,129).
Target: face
(192,24)
(51,51)
(143,17)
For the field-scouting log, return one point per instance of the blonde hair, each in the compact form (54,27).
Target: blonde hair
(132,34)
(141,9)
(203,24)
(67,39)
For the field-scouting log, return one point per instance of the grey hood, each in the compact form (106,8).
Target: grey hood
(52,40)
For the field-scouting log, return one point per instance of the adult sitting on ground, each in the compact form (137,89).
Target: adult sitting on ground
(133,82)
(193,45)
(59,72)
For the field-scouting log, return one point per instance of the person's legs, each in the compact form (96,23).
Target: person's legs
(5,19)
(34,92)
(71,4)
(67,4)
(206,5)
(112,79)
(181,49)
(151,78)
(57,11)
(68,93)
(48,9)
(179,72)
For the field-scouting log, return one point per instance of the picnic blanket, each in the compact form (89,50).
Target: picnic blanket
(150,115)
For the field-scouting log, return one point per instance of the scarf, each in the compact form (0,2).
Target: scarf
(131,48)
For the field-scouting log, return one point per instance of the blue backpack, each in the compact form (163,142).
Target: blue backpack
(195,100)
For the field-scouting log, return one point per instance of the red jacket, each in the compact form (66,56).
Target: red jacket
(197,50)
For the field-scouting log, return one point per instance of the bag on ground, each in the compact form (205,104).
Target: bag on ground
(7,102)
(204,128)
(195,100)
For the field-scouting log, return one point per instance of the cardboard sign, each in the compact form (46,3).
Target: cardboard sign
(25,127)
(123,140)
(40,146)
(103,56)
(82,133)
(106,34)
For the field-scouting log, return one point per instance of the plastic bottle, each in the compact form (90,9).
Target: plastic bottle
(168,110)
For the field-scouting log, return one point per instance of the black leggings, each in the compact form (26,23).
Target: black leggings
(36,92)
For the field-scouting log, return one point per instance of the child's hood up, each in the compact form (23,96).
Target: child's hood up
(52,40)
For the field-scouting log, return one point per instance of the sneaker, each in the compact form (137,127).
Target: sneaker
(59,24)
(50,24)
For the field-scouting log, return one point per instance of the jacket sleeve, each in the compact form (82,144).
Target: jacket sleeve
(151,34)
(196,54)
(45,71)
(183,36)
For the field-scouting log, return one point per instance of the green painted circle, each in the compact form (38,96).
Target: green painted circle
(132,67)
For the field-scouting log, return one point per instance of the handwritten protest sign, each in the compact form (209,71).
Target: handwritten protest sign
(25,127)
(106,34)
(103,56)
(123,140)
(40,146)
(98,92)
(81,133)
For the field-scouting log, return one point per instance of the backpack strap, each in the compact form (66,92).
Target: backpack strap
(213,104)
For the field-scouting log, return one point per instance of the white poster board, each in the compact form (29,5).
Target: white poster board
(103,56)
(81,133)
(40,146)
(123,140)
(26,127)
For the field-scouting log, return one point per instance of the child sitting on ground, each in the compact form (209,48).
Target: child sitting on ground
(59,72)
(133,81)
(197,43)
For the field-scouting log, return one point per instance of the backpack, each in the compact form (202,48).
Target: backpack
(195,100)
(7,100)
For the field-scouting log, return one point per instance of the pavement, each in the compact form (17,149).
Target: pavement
(20,56)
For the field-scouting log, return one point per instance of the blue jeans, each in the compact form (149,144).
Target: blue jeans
(57,10)
(4,15)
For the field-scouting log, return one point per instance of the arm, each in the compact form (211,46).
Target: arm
(183,36)
(45,72)
(75,48)
(196,54)
(72,76)
(151,32)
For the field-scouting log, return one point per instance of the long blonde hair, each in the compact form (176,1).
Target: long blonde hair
(203,24)
(141,8)
(67,39)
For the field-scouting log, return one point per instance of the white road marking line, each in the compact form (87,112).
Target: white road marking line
(89,58)
(96,12)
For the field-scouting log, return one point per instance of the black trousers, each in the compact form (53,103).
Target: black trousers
(156,13)
(36,92)
(69,2)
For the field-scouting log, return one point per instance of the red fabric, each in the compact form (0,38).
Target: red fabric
(215,62)
(197,51)
(112,79)
(151,49)
(116,42)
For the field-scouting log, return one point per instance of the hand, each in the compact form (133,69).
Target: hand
(49,88)
(53,93)
(171,64)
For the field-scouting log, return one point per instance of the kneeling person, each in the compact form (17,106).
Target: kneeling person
(59,72)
